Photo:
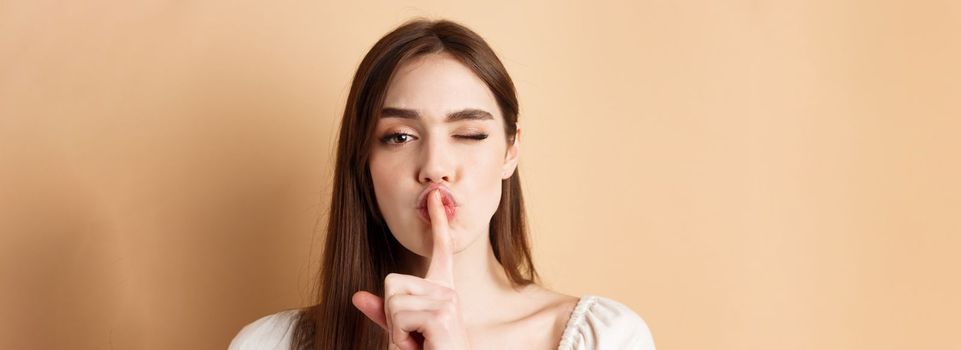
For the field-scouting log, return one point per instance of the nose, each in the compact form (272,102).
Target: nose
(436,162)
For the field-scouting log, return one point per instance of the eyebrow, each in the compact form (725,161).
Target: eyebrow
(465,114)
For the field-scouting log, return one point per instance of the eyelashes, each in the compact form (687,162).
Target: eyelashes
(392,138)
(473,137)
(389,138)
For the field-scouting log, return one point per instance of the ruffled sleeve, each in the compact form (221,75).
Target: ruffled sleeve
(269,332)
(599,323)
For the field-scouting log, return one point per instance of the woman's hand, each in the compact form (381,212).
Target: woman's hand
(421,313)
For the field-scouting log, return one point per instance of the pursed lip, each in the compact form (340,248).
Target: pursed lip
(446,196)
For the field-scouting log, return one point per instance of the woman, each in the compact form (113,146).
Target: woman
(427,210)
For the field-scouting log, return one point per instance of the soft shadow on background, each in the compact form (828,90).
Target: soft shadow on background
(743,174)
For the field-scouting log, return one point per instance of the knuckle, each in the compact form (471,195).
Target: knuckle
(442,317)
(395,315)
(450,309)
(392,303)
(450,294)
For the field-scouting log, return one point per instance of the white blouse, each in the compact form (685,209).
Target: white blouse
(596,323)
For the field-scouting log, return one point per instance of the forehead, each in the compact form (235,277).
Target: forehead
(437,84)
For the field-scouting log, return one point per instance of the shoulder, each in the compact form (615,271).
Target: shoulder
(601,323)
(273,331)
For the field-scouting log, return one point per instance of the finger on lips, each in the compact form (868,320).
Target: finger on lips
(412,304)
(441,267)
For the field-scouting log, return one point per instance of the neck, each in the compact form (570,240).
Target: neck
(479,279)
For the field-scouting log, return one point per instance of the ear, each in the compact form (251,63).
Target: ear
(512,156)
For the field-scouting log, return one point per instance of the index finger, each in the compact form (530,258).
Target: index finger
(441,267)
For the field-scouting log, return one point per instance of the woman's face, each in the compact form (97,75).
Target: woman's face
(440,126)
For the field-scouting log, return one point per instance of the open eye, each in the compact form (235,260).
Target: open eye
(396,138)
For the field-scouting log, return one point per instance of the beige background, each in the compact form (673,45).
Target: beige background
(744,174)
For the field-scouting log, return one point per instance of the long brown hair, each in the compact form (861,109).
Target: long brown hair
(360,250)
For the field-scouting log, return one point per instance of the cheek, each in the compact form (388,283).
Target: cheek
(378,176)
(488,177)
(383,176)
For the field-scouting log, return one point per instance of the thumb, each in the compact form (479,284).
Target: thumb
(372,306)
